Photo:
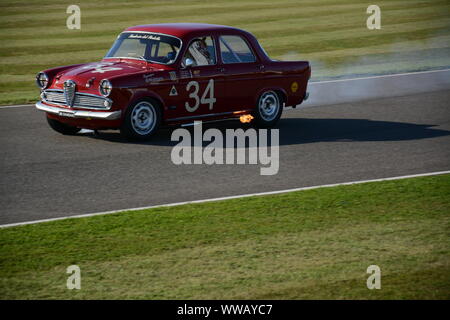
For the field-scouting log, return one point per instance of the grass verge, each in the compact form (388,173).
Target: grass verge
(332,34)
(314,244)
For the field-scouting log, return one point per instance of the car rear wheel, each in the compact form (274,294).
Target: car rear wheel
(62,127)
(268,110)
(142,120)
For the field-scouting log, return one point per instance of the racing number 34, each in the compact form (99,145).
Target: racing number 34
(207,96)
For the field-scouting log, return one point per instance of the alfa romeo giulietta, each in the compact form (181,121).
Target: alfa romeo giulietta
(172,74)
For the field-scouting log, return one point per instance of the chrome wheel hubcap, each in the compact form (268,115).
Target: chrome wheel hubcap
(269,104)
(143,118)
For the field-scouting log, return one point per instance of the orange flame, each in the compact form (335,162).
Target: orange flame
(246,118)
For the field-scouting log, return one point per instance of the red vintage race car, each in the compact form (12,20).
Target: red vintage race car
(166,74)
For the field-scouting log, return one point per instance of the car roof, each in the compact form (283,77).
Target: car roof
(181,29)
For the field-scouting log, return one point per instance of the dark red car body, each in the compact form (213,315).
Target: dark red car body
(237,86)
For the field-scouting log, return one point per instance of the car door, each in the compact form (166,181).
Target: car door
(242,72)
(201,80)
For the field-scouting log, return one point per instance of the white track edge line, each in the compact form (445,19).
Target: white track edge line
(226,198)
(310,83)
(380,76)
(16,106)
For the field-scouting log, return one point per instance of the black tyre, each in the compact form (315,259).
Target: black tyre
(268,110)
(142,120)
(62,127)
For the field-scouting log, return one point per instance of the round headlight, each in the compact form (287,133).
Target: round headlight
(105,87)
(42,80)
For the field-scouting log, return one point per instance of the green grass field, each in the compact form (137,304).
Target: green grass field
(332,34)
(314,244)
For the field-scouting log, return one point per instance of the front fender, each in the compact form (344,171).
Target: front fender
(134,87)
(145,93)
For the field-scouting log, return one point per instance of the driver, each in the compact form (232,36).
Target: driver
(198,52)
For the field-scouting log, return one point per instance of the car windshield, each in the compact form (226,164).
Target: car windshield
(153,47)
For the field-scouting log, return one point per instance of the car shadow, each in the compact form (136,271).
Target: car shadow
(304,130)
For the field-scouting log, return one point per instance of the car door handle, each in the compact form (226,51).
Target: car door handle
(221,69)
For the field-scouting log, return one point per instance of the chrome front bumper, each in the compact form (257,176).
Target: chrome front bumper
(64,112)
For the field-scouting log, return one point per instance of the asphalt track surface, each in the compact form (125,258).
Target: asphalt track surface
(47,175)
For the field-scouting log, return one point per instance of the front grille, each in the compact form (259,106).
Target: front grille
(82,100)
(55,97)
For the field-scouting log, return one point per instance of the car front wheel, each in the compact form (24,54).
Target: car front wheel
(269,109)
(62,127)
(142,120)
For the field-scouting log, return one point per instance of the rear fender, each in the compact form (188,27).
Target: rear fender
(280,91)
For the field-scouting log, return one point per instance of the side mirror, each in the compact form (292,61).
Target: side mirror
(188,62)
(171,55)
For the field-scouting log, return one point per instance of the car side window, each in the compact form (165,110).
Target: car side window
(234,49)
(201,52)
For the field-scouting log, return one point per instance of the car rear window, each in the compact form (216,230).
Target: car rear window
(234,49)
